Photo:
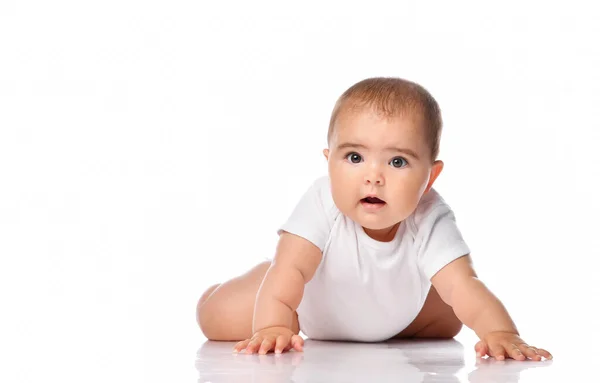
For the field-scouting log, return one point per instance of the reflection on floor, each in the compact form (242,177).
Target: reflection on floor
(392,361)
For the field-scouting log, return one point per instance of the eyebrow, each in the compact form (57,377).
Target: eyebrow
(389,148)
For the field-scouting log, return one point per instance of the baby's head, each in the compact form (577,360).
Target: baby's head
(383,140)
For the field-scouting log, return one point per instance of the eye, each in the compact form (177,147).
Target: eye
(354,157)
(398,161)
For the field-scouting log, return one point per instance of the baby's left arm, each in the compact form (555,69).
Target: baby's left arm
(479,309)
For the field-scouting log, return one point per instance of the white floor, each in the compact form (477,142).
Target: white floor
(393,361)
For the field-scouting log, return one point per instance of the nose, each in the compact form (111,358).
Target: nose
(374,176)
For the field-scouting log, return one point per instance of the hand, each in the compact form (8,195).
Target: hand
(500,344)
(272,338)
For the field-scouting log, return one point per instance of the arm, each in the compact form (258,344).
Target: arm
(483,312)
(472,302)
(295,262)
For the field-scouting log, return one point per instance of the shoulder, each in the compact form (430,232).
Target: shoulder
(322,183)
(314,215)
(437,237)
(321,188)
(431,205)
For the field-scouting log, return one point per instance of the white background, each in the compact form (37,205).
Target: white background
(151,149)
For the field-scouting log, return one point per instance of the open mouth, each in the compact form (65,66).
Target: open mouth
(372,200)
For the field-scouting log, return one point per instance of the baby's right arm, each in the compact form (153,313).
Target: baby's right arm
(295,262)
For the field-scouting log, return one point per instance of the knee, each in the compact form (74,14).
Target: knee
(444,328)
(201,301)
(449,328)
(453,329)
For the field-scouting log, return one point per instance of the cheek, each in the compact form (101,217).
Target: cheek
(343,194)
(339,190)
(405,195)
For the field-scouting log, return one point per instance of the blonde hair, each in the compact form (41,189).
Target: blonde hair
(392,96)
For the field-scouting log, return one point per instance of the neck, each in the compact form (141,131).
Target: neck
(383,235)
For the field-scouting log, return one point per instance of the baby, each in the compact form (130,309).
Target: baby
(371,252)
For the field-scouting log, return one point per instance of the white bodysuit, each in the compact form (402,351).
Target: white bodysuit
(366,290)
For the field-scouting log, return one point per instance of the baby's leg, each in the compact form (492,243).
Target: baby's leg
(436,320)
(225,311)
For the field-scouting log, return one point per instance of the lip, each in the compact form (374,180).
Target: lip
(372,206)
(372,195)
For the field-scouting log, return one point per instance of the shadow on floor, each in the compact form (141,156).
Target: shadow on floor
(420,361)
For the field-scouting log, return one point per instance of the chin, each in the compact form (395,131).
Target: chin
(379,223)
(376,224)
(377,227)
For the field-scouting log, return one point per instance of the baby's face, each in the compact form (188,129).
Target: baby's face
(362,162)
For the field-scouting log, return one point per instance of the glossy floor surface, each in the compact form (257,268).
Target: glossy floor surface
(392,361)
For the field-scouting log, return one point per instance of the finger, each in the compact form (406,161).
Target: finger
(282,342)
(297,342)
(544,353)
(529,351)
(241,345)
(481,349)
(514,352)
(253,345)
(537,355)
(265,346)
(288,347)
(497,351)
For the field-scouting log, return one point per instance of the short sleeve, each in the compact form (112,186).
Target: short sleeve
(439,241)
(313,216)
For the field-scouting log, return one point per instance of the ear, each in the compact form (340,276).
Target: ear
(326,154)
(436,169)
